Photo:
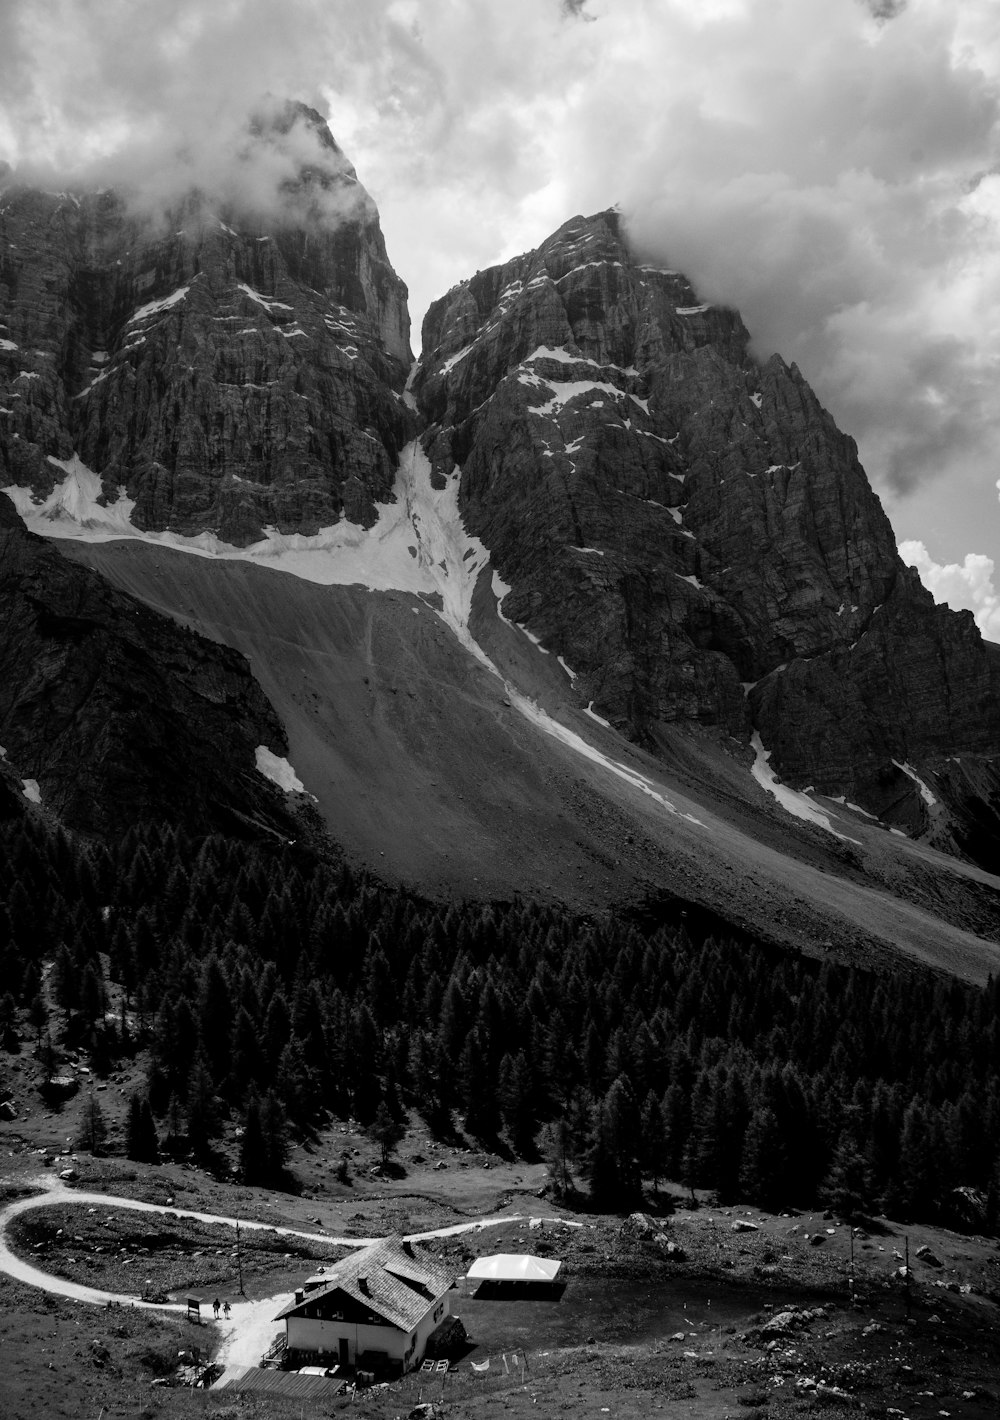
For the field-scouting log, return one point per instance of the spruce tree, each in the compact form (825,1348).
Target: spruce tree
(653,1140)
(386,1131)
(141,1142)
(612,1166)
(93,1127)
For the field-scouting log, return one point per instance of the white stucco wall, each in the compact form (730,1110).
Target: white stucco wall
(433,1319)
(314,1334)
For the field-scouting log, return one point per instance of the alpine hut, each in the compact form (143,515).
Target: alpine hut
(375,1310)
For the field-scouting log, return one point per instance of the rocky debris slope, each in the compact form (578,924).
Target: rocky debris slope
(110,713)
(688,529)
(224,368)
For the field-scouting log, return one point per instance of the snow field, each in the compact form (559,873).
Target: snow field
(418,544)
(791,800)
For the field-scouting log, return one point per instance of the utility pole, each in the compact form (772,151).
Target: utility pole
(907,1275)
(853,1299)
(239,1259)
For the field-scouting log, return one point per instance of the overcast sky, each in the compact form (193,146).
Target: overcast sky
(831,167)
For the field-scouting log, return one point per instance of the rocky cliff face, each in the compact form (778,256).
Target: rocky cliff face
(227,369)
(687,527)
(110,713)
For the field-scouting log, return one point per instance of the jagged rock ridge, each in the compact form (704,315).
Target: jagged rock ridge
(119,714)
(689,529)
(228,369)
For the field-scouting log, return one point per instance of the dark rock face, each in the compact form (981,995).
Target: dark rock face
(119,714)
(230,370)
(687,527)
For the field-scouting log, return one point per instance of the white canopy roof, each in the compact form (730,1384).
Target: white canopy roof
(514,1267)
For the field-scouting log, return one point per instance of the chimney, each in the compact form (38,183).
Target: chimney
(408,1248)
(363,1285)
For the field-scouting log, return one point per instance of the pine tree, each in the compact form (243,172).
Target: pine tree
(202,1109)
(653,1140)
(141,1142)
(846,1188)
(612,1167)
(386,1131)
(253,1154)
(762,1173)
(515,1093)
(93,1127)
(275,1133)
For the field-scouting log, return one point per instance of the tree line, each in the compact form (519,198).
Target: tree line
(273,989)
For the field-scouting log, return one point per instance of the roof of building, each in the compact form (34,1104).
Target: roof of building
(514,1267)
(401,1282)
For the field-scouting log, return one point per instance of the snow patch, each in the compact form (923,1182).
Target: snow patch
(911,773)
(567,390)
(572,674)
(155,307)
(690,310)
(455,359)
(72,509)
(592,713)
(576,742)
(8,345)
(262,300)
(790,800)
(31,791)
(278,770)
(549,352)
(855,807)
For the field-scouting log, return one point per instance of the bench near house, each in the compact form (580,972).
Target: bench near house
(375,1310)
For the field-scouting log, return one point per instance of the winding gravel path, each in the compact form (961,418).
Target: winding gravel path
(247,1333)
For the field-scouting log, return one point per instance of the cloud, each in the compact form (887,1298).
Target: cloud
(819,171)
(827,166)
(964,586)
(160,96)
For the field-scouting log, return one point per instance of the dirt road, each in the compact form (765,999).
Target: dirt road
(245,1336)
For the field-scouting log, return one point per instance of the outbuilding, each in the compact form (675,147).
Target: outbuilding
(375,1310)
(516,1275)
(513,1267)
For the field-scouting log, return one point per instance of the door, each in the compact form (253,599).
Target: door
(344,1353)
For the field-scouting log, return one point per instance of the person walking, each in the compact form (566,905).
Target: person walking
(225,1310)
(215,1307)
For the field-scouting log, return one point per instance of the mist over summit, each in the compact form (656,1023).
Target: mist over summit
(590,542)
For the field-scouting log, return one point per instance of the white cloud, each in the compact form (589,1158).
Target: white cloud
(964,586)
(825,165)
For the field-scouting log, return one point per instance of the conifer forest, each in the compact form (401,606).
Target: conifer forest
(272,990)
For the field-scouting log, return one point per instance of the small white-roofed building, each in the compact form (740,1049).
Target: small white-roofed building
(375,1310)
(513,1267)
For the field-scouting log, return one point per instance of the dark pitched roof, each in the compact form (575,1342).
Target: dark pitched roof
(401,1282)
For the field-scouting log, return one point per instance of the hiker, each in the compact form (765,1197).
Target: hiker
(225,1310)
(215,1308)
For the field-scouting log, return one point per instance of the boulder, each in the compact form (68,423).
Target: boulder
(8,1110)
(60,1087)
(743,1225)
(781,1324)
